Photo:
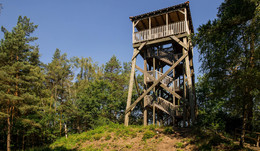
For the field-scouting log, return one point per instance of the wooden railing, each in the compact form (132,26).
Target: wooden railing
(159,32)
(256,139)
(158,74)
(166,106)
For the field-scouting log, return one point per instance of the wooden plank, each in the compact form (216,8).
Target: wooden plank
(164,60)
(153,91)
(173,93)
(163,39)
(156,83)
(181,12)
(136,85)
(129,97)
(180,42)
(138,50)
(136,23)
(188,72)
(161,108)
(145,87)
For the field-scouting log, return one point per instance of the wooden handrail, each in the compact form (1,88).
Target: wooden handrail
(159,32)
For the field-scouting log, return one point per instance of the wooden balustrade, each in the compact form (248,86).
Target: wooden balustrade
(158,74)
(159,32)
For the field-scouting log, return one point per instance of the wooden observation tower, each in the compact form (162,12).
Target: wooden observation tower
(162,38)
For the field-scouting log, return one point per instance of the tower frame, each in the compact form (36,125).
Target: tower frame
(162,38)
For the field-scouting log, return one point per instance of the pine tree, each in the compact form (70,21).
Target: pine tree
(19,73)
(59,77)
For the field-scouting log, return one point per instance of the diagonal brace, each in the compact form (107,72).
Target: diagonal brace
(162,85)
(155,83)
(179,42)
(138,50)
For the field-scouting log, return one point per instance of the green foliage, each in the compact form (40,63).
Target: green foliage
(179,145)
(108,137)
(168,130)
(229,51)
(148,134)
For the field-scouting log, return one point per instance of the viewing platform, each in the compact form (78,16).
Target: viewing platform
(159,32)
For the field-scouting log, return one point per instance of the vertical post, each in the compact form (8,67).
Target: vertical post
(188,72)
(161,117)
(131,83)
(184,99)
(145,87)
(150,27)
(167,24)
(133,38)
(173,97)
(154,75)
(158,93)
(186,22)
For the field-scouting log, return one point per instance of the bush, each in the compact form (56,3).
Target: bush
(148,134)
(168,130)
(97,136)
(179,145)
(108,137)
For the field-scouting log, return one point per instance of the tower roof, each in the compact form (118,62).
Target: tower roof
(164,11)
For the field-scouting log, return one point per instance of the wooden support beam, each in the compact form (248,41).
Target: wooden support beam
(162,85)
(154,91)
(145,87)
(136,23)
(186,21)
(181,12)
(173,96)
(167,20)
(172,92)
(189,80)
(136,85)
(129,97)
(155,83)
(138,50)
(180,42)
(164,60)
(166,39)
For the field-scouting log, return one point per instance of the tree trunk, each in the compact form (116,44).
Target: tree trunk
(66,131)
(23,142)
(8,134)
(60,123)
(78,124)
(242,138)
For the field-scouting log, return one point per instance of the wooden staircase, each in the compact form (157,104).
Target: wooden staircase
(165,106)
(167,81)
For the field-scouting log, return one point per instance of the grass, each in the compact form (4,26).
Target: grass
(179,145)
(104,133)
(168,130)
(112,137)
(148,134)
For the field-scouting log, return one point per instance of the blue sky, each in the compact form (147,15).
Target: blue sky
(93,28)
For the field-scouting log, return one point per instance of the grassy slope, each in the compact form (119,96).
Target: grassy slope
(119,137)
